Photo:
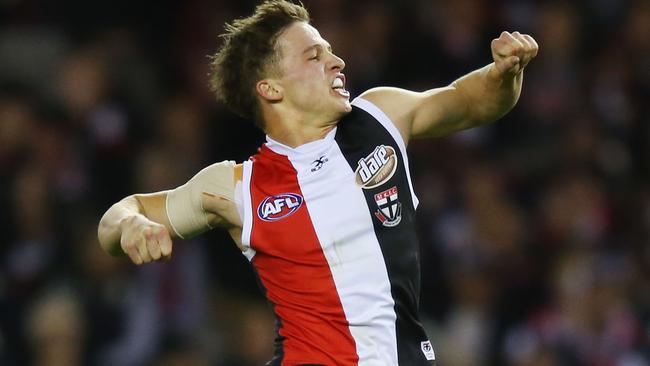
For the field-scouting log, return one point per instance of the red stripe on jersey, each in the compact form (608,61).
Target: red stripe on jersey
(297,277)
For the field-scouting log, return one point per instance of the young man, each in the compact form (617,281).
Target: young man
(325,210)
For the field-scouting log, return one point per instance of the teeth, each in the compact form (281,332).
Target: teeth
(338,83)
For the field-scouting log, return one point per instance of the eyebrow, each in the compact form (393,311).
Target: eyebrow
(327,45)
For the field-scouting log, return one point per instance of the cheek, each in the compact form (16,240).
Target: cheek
(306,86)
(306,83)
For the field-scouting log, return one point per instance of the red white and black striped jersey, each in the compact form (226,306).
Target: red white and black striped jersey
(329,229)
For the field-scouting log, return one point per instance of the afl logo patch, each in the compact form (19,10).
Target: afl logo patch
(376,168)
(277,207)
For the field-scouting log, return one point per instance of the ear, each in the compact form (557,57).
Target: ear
(269,90)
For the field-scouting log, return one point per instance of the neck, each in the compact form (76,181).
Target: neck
(294,132)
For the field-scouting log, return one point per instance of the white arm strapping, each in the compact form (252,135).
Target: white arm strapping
(185,206)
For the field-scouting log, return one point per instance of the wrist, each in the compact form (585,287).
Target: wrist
(493,73)
(500,78)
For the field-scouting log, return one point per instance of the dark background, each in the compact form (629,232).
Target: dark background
(535,230)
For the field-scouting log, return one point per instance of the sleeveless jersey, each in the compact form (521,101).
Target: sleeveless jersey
(329,229)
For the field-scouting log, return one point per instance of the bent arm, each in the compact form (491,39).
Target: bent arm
(142,225)
(478,98)
(137,208)
(482,96)
(473,100)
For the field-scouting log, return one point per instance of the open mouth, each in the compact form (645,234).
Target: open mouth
(338,85)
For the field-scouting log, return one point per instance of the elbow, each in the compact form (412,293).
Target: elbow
(109,231)
(108,241)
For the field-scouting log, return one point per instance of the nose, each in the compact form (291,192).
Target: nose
(337,63)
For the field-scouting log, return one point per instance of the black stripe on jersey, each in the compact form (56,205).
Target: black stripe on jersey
(358,134)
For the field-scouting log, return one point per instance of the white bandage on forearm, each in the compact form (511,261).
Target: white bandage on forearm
(184,204)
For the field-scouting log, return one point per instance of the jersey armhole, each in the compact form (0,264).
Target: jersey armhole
(388,124)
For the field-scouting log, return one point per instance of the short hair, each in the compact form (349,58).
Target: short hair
(248,54)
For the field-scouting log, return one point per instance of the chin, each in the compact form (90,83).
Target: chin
(342,111)
(347,107)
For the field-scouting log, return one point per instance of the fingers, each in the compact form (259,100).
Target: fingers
(513,51)
(510,64)
(507,45)
(529,47)
(165,244)
(146,243)
(533,43)
(132,252)
(153,246)
(142,247)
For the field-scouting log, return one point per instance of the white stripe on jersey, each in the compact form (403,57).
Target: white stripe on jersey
(350,249)
(247,223)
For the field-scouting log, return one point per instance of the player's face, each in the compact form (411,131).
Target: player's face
(311,79)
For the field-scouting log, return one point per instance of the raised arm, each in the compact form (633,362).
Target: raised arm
(142,226)
(480,97)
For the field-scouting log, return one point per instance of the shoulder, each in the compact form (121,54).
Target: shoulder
(392,101)
(396,103)
(223,174)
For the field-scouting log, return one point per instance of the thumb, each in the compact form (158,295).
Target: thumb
(508,65)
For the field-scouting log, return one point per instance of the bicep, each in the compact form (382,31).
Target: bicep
(186,207)
(433,113)
(441,111)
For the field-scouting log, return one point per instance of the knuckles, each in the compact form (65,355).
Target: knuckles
(514,43)
(143,240)
(160,231)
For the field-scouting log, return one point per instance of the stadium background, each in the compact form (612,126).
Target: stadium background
(535,230)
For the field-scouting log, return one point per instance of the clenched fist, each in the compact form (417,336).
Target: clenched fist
(511,53)
(144,240)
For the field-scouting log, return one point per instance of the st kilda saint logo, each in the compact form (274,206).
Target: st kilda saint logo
(277,207)
(376,168)
(390,209)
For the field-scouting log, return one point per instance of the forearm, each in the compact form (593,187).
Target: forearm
(480,97)
(109,231)
(487,96)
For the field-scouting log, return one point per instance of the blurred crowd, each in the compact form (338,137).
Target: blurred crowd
(535,230)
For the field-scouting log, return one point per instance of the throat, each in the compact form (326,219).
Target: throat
(295,137)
